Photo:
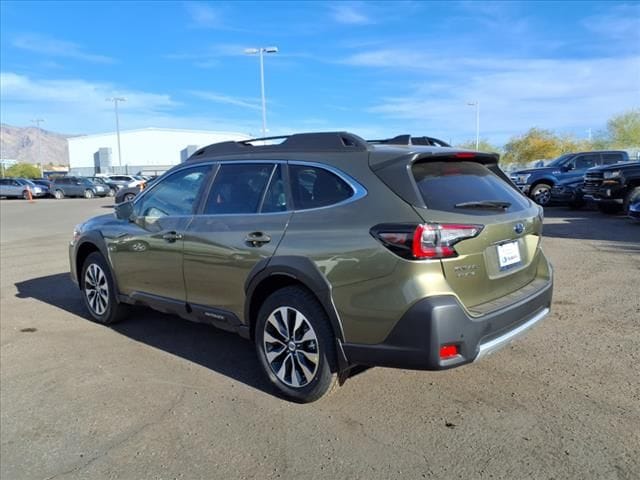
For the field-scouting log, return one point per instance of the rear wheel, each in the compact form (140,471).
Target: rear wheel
(58,194)
(88,193)
(98,291)
(541,194)
(296,345)
(129,196)
(112,193)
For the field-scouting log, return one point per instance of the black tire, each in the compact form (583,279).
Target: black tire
(58,194)
(25,195)
(129,196)
(609,208)
(88,193)
(630,197)
(112,193)
(541,194)
(324,377)
(111,311)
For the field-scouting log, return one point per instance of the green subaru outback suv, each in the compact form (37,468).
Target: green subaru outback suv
(328,251)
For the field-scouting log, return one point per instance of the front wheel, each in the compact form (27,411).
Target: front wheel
(25,195)
(98,291)
(541,194)
(58,194)
(129,196)
(296,345)
(88,193)
(112,193)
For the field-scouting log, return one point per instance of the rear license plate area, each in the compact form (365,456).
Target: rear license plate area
(508,255)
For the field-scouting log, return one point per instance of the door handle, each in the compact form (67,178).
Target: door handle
(257,239)
(171,237)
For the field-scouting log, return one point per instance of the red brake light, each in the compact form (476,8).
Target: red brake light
(436,240)
(448,351)
(465,155)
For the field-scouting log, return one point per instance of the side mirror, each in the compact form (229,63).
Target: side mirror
(124,210)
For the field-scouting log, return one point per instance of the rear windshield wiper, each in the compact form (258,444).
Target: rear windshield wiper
(495,204)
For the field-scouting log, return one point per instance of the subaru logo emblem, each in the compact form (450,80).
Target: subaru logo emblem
(518,228)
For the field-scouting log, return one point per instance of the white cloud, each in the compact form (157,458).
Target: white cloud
(77,105)
(514,94)
(350,14)
(53,47)
(621,22)
(227,99)
(203,15)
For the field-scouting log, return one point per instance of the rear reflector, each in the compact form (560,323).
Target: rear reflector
(448,351)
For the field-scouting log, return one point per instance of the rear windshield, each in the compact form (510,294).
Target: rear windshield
(465,187)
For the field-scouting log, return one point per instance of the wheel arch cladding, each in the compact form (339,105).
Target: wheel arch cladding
(272,274)
(93,242)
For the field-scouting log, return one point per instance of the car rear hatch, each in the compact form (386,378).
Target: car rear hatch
(494,230)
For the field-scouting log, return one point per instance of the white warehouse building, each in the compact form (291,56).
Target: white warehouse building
(147,151)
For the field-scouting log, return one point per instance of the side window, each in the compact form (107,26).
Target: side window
(238,188)
(313,187)
(275,200)
(586,161)
(611,158)
(175,195)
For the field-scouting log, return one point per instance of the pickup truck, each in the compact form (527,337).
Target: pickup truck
(613,187)
(538,182)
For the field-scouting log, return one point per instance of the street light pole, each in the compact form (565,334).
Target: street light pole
(477,105)
(115,101)
(261,51)
(38,121)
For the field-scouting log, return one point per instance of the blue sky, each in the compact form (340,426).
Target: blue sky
(375,68)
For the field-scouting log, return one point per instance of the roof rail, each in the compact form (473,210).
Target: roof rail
(317,142)
(409,140)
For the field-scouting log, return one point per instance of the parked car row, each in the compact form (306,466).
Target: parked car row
(606,178)
(71,186)
(21,188)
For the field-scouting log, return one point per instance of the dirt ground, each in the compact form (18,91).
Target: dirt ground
(157,397)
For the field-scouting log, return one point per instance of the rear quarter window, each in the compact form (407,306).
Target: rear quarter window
(314,187)
(443,185)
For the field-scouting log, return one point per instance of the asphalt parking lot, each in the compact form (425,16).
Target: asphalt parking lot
(159,397)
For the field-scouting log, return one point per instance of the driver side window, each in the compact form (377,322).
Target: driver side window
(173,196)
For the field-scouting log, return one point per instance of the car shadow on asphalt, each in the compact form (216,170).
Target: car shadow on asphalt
(215,349)
(618,231)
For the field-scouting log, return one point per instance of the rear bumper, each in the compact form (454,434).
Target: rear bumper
(436,321)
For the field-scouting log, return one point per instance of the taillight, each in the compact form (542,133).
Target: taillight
(425,241)
(436,240)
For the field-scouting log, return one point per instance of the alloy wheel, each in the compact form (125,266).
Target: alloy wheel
(542,194)
(96,289)
(291,347)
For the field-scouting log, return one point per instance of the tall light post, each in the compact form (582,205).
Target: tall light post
(37,122)
(260,52)
(477,105)
(115,101)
